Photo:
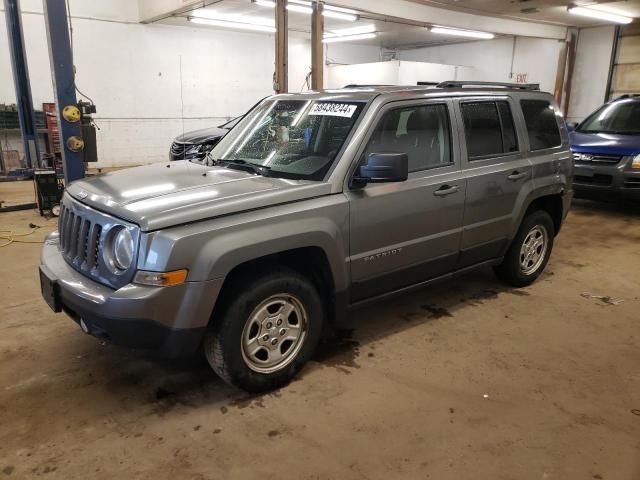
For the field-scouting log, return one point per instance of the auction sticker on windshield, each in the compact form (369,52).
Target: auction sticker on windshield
(333,109)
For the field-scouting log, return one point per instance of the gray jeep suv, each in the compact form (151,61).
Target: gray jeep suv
(312,205)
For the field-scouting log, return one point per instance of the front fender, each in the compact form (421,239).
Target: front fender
(212,248)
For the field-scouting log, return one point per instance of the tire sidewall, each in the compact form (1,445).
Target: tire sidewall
(226,333)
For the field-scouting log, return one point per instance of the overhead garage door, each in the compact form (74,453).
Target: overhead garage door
(626,68)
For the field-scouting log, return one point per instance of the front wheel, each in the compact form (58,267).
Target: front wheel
(267,332)
(529,252)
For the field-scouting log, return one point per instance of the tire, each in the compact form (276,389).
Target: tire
(519,269)
(239,343)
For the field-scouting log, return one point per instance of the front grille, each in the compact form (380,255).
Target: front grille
(85,242)
(632,182)
(597,179)
(596,159)
(80,239)
(178,149)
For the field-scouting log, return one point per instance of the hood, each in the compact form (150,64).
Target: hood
(163,195)
(202,135)
(605,143)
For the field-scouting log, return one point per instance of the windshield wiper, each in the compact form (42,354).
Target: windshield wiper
(243,165)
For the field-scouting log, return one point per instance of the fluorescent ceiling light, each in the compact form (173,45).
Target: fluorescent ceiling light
(265,3)
(349,17)
(302,6)
(369,28)
(341,9)
(348,38)
(292,7)
(461,33)
(599,15)
(227,24)
(250,20)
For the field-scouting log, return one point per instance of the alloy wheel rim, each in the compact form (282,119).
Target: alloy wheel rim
(274,334)
(533,249)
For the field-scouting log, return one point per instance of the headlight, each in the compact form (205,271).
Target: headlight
(123,249)
(193,150)
(635,163)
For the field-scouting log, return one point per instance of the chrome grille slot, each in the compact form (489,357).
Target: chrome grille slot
(83,242)
(95,245)
(69,220)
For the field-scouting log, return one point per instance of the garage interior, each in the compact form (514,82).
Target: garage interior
(464,379)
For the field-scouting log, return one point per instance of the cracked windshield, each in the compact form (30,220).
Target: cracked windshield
(296,139)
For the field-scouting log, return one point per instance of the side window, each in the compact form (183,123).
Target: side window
(542,127)
(509,138)
(421,131)
(489,129)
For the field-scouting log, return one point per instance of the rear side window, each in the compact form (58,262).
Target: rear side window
(420,131)
(489,129)
(542,127)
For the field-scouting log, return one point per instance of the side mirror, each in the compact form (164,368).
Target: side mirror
(571,126)
(383,168)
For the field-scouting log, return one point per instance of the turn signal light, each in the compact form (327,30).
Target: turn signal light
(161,279)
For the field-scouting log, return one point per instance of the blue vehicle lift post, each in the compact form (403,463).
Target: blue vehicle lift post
(24,100)
(63,74)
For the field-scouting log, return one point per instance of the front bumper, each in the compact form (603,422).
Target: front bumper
(171,320)
(606,182)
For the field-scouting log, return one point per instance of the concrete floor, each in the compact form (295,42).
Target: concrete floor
(468,379)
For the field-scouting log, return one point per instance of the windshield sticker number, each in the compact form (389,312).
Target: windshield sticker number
(333,109)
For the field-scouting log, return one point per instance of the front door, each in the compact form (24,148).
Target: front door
(404,233)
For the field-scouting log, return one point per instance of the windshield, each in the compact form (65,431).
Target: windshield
(622,117)
(296,139)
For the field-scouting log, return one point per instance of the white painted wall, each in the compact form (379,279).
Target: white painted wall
(591,71)
(150,82)
(393,72)
(490,60)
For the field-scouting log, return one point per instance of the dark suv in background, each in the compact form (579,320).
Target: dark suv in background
(196,144)
(606,151)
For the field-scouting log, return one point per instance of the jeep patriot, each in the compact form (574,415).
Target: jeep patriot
(313,204)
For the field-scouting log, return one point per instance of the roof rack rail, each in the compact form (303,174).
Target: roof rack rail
(628,95)
(358,85)
(518,86)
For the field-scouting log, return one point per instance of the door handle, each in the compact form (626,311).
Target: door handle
(517,175)
(446,190)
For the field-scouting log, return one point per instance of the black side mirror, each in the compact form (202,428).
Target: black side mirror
(571,126)
(383,168)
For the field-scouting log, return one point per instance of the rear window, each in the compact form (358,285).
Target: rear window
(542,126)
(489,129)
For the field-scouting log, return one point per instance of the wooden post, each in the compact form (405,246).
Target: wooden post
(281,80)
(317,54)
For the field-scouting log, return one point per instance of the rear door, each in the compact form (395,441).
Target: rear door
(404,233)
(497,170)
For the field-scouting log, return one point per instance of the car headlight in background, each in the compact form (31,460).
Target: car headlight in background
(193,150)
(635,163)
(123,248)
(202,148)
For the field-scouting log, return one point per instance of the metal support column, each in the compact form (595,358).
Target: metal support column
(281,81)
(24,101)
(62,72)
(317,53)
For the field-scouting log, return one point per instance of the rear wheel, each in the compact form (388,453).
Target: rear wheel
(267,332)
(530,250)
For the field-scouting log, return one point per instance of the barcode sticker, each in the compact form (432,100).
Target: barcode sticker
(333,109)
